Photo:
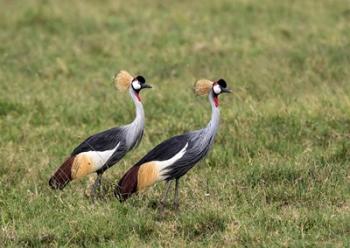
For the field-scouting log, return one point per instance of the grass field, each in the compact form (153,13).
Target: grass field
(279,172)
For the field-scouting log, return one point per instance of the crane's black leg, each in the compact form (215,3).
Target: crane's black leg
(165,194)
(96,187)
(176,196)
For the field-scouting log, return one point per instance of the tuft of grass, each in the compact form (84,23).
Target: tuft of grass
(7,108)
(202,225)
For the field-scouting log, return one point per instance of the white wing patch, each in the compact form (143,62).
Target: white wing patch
(100,158)
(162,165)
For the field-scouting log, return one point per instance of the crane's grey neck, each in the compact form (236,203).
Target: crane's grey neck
(140,115)
(205,137)
(135,129)
(213,125)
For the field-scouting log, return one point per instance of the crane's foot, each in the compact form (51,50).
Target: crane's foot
(176,207)
(97,191)
(162,202)
(161,207)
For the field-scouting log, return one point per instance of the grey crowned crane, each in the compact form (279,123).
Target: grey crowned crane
(102,150)
(174,157)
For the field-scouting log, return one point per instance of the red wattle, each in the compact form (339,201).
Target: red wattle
(216,101)
(138,96)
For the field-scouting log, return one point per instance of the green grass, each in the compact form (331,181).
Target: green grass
(279,172)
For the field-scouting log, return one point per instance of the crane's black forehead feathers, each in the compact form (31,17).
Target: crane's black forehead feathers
(222,83)
(141,79)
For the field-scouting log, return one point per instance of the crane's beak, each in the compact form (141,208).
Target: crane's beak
(226,90)
(146,86)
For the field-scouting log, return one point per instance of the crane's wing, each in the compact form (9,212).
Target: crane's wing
(166,149)
(194,152)
(102,141)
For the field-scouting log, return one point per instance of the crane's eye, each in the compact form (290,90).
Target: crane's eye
(222,83)
(141,79)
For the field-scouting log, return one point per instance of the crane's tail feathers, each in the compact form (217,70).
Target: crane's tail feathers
(127,185)
(63,175)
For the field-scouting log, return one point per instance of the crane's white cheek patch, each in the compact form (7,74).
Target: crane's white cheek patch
(136,85)
(217,89)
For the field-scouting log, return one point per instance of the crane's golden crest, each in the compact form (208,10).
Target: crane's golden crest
(123,80)
(203,87)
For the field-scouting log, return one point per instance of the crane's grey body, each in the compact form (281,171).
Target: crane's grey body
(198,145)
(102,150)
(119,140)
(177,155)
